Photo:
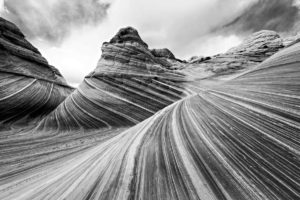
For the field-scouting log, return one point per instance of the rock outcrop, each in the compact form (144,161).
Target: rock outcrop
(255,49)
(260,45)
(29,87)
(164,53)
(128,85)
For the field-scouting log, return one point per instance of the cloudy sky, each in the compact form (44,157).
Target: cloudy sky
(69,33)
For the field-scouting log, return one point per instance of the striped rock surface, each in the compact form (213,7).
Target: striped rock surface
(235,139)
(252,51)
(29,87)
(128,85)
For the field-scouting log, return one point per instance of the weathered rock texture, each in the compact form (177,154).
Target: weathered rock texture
(251,52)
(29,86)
(128,85)
(261,44)
(235,140)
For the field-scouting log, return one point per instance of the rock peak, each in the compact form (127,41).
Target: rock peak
(128,34)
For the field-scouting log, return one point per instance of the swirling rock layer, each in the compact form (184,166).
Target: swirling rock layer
(29,86)
(128,85)
(236,139)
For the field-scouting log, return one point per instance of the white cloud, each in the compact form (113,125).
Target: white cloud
(175,24)
(211,45)
(77,55)
(1,6)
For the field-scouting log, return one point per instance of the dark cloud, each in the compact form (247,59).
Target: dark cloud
(277,15)
(53,20)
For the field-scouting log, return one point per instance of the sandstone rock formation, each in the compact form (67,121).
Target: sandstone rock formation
(255,49)
(236,139)
(29,86)
(261,44)
(128,85)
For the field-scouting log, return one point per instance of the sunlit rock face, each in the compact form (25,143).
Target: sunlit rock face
(128,85)
(253,50)
(29,86)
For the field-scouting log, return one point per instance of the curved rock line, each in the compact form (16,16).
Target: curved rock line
(128,86)
(137,129)
(230,141)
(30,88)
